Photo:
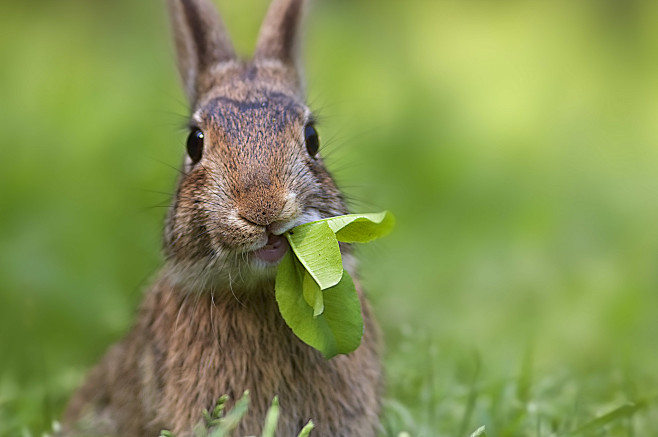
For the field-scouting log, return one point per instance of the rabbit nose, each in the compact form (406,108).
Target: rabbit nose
(273,209)
(261,218)
(264,200)
(260,211)
(260,206)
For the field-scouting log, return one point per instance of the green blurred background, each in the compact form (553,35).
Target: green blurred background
(515,141)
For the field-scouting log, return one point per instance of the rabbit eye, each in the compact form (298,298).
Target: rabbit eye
(311,139)
(195,145)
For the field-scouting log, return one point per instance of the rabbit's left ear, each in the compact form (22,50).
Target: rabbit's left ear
(280,34)
(201,43)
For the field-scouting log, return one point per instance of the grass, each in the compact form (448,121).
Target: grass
(468,402)
(527,402)
(514,141)
(220,423)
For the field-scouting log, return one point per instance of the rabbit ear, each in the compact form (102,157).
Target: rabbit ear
(279,34)
(201,42)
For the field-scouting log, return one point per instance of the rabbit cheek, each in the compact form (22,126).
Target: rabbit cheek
(188,237)
(189,230)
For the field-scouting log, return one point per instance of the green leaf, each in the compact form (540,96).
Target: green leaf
(317,249)
(342,314)
(338,330)
(312,294)
(316,297)
(289,279)
(360,228)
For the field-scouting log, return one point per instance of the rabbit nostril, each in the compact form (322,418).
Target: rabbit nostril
(266,207)
(264,217)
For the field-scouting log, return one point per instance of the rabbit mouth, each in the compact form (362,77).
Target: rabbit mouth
(273,250)
(269,253)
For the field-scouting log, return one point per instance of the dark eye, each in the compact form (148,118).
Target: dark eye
(195,145)
(311,139)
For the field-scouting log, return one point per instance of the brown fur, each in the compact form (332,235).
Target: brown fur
(187,350)
(210,324)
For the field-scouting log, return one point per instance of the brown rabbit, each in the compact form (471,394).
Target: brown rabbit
(210,324)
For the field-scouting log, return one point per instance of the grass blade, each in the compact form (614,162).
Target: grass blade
(306,430)
(479,432)
(271,419)
(616,414)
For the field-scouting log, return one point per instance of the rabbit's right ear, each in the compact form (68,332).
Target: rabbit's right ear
(201,43)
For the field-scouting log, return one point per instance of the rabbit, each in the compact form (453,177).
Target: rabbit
(210,325)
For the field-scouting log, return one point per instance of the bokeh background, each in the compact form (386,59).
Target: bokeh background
(515,141)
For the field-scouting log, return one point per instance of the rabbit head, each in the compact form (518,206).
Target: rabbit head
(252,168)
